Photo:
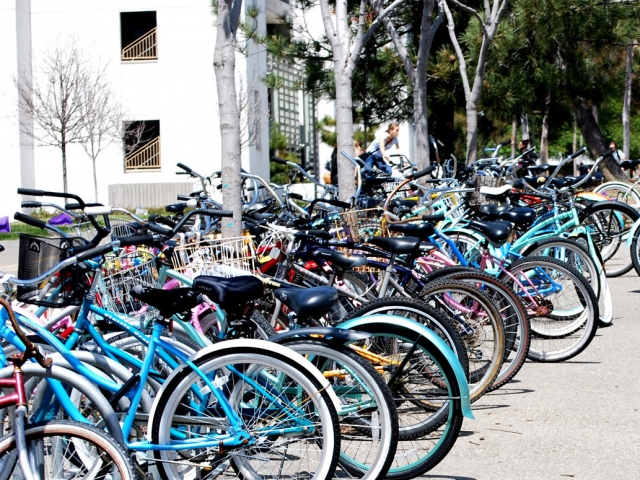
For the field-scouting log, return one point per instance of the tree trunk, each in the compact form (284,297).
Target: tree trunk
(420,116)
(224,66)
(626,104)
(594,139)
(525,126)
(472,134)
(344,130)
(63,147)
(514,135)
(532,131)
(95,180)
(544,134)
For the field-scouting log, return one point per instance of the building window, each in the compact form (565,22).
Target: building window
(138,36)
(142,145)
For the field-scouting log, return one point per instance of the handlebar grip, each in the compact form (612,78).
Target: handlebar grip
(94,252)
(296,196)
(159,229)
(73,206)
(30,191)
(34,222)
(31,204)
(281,161)
(182,173)
(136,240)
(336,203)
(184,198)
(607,153)
(422,173)
(580,152)
(218,213)
(184,167)
(166,221)
(505,143)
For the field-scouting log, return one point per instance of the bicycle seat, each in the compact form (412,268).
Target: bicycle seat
(564,182)
(419,230)
(629,164)
(396,245)
(229,292)
(340,260)
(259,207)
(522,216)
(1,248)
(402,204)
(496,232)
(492,212)
(536,170)
(310,302)
(176,207)
(169,302)
(433,218)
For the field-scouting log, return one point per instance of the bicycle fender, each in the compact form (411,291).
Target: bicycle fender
(339,335)
(630,211)
(241,345)
(362,323)
(633,232)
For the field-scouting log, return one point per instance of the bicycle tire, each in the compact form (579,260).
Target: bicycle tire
(368,401)
(609,223)
(514,317)
(62,448)
(634,251)
(556,335)
(580,258)
(479,324)
(170,409)
(426,388)
(621,192)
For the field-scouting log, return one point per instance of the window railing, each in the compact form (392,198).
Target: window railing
(144,48)
(146,158)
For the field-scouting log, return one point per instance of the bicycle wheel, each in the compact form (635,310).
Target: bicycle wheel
(563,307)
(425,392)
(368,418)
(609,224)
(635,252)
(291,423)
(479,324)
(69,450)
(517,329)
(621,192)
(577,255)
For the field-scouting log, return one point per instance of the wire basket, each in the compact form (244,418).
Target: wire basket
(355,225)
(222,257)
(36,256)
(120,228)
(476,198)
(120,273)
(404,192)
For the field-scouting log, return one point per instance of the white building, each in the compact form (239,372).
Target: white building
(159,58)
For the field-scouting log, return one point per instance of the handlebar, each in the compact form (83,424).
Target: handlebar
(29,220)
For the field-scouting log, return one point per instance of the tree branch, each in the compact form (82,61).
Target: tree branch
(456,46)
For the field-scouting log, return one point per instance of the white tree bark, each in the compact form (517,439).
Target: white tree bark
(224,63)
(417,75)
(489,24)
(346,49)
(626,104)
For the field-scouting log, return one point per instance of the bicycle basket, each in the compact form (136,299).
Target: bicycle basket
(223,257)
(356,225)
(120,228)
(36,256)
(476,198)
(120,273)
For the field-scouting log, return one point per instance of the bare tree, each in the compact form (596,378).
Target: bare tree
(102,120)
(488,20)
(224,63)
(252,116)
(56,100)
